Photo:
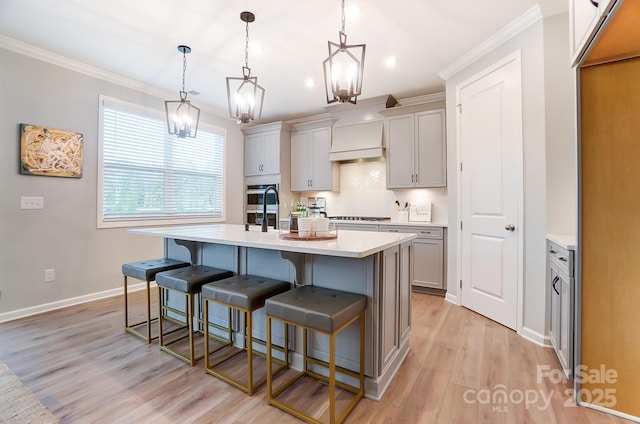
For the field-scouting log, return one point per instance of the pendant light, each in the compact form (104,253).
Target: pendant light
(343,69)
(182,116)
(244,94)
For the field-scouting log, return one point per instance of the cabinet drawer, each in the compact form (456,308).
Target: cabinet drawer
(560,256)
(422,232)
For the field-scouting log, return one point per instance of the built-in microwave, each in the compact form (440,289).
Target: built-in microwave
(254,201)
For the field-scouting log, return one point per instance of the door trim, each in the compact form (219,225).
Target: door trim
(516,57)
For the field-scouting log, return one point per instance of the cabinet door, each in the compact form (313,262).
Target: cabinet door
(554,325)
(321,178)
(400,155)
(430,149)
(406,259)
(584,17)
(389,307)
(271,152)
(253,154)
(565,342)
(301,161)
(428,259)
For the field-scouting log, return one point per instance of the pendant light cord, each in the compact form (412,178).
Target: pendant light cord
(184,67)
(343,16)
(246,46)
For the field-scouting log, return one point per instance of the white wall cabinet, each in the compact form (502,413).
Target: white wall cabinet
(311,169)
(560,278)
(428,255)
(416,150)
(265,147)
(585,16)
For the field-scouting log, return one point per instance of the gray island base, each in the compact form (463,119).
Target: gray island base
(375,264)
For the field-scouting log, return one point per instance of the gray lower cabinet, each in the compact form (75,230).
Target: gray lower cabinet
(560,277)
(428,256)
(395,305)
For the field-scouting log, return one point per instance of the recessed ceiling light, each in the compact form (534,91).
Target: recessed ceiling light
(310,82)
(390,62)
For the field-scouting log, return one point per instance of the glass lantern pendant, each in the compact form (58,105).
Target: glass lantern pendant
(343,69)
(182,116)
(245,96)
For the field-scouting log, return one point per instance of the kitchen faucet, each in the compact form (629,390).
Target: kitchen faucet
(265,221)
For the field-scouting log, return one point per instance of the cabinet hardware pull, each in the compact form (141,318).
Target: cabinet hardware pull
(510,227)
(594,3)
(553,252)
(555,281)
(563,259)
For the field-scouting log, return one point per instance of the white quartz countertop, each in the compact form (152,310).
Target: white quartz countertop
(414,223)
(567,241)
(350,244)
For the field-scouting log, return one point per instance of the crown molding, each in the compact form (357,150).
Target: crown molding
(427,98)
(524,21)
(38,53)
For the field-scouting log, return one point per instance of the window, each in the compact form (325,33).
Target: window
(148,177)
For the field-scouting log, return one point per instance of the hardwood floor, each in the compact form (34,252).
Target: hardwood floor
(86,369)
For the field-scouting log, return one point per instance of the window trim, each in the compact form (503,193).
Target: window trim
(149,221)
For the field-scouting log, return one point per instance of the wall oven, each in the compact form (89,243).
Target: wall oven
(254,201)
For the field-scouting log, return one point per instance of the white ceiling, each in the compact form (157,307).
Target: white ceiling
(138,39)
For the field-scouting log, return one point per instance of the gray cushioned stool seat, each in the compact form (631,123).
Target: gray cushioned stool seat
(190,279)
(147,270)
(244,291)
(316,307)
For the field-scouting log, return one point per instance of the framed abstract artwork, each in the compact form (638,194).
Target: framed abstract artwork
(50,152)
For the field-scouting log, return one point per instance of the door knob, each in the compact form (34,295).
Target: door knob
(510,227)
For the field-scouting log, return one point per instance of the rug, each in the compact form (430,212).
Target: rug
(18,405)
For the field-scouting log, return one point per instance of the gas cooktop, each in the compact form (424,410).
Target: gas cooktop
(359,218)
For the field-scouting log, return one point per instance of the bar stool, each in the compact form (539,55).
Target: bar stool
(243,293)
(145,271)
(324,311)
(188,281)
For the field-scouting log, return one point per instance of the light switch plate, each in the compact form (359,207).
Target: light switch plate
(28,202)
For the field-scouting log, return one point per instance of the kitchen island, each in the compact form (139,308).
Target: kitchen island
(375,264)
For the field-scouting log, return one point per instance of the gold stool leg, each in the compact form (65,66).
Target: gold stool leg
(269,376)
(189,298)
(332,377)
(249,347)
(126,304)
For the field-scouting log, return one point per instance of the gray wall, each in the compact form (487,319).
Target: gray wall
(531,43)
(63,235)
(560,108)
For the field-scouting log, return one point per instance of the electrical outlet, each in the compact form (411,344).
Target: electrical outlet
(49,275)
(27,202)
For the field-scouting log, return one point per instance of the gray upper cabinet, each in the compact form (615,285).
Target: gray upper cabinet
(264,149)
(416,150)
(586,16)
(311,169)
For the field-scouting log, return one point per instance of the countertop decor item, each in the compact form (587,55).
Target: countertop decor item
(244,95)
(420,212)
(343,69)
(182,116)
(50,152)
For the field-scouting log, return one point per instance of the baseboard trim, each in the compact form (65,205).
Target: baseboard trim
(59,304)
(535,337)
(451,298)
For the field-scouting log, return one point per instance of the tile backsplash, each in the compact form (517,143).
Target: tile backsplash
(363,192)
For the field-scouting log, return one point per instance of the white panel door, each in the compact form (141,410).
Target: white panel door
(491,153)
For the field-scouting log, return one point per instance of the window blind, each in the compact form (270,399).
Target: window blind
(149,174)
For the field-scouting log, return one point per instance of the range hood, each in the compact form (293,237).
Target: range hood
(357,141)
